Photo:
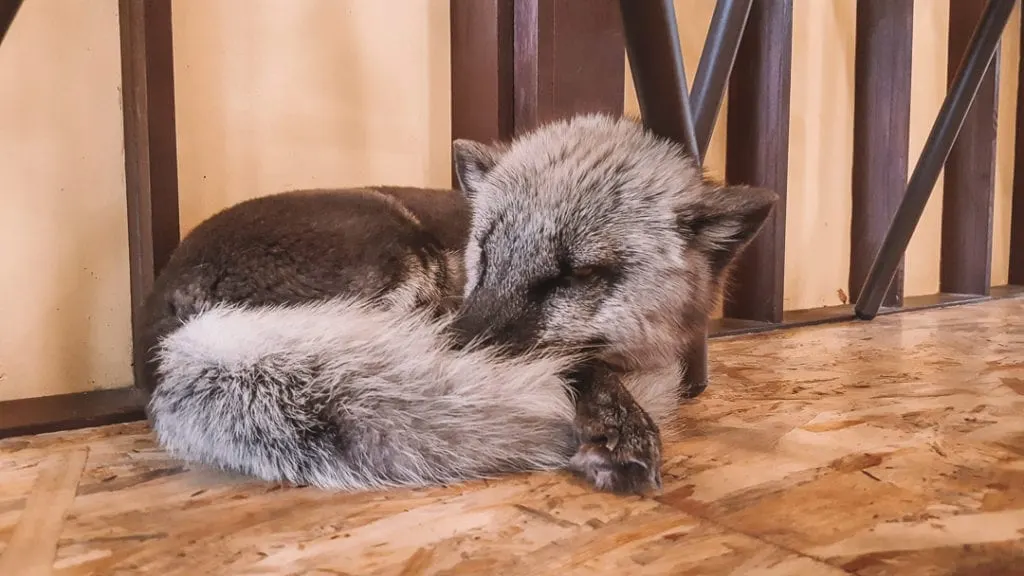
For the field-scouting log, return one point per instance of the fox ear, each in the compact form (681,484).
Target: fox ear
(722,220)
(473,160)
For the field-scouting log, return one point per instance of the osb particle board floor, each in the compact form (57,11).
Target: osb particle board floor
(895,447)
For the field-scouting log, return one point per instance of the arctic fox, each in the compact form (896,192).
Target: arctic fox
(378,337)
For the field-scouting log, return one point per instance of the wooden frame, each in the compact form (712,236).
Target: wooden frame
(70,411)
(150,147)
(151,179)
(516,63)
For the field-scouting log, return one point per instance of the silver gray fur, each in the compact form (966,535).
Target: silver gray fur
(258,391)
(596,234)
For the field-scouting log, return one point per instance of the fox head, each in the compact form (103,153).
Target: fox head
(594,232)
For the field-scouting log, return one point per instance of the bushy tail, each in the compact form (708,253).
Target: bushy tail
(339,395)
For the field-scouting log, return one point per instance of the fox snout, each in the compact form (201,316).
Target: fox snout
(497,322)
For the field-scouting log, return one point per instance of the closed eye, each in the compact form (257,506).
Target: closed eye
(571,278)
(584,273)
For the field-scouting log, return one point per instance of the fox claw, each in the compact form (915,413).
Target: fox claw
(623,458)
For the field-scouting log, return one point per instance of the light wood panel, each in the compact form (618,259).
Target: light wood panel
(64,298)
(820,154)
(1005,142)
(277,94)
(271,94)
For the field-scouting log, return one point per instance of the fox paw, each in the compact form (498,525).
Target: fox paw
(621,456)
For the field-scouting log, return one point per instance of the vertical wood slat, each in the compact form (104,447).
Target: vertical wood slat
(1017,209)
(757,153)
(569,59)
(8,10)
(481,70)
(968,195)
(151,171)
(881,132)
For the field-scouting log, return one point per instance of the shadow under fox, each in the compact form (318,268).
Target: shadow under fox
(374,337)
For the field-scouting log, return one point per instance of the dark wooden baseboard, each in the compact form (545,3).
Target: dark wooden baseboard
(721,327)
(70,411)
(102,407)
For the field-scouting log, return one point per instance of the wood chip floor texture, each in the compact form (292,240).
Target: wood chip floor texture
(891,447)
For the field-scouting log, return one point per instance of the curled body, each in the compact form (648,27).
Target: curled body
(534,320)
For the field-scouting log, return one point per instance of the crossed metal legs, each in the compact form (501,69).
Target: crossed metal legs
(972,69)
(667,108)
(659,75)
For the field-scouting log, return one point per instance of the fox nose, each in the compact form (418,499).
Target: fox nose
(498,321)
(466,329)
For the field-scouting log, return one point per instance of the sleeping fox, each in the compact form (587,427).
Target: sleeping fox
(535,319)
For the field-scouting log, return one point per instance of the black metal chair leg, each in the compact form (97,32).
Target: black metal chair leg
(656,62)
(716,61)
(695,369)
(659,74)
(978,57)
(8,10)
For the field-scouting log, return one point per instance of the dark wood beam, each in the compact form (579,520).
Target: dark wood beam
(724,327)
(70,411)
(757,152)
(881,132)
(968,195)
(482,61)
(569,59)
(150,146)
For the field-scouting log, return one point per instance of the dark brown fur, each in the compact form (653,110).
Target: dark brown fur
(308,245)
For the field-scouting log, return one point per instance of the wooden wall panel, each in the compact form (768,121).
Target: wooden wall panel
(927,90)
(64,284)
(819,177)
